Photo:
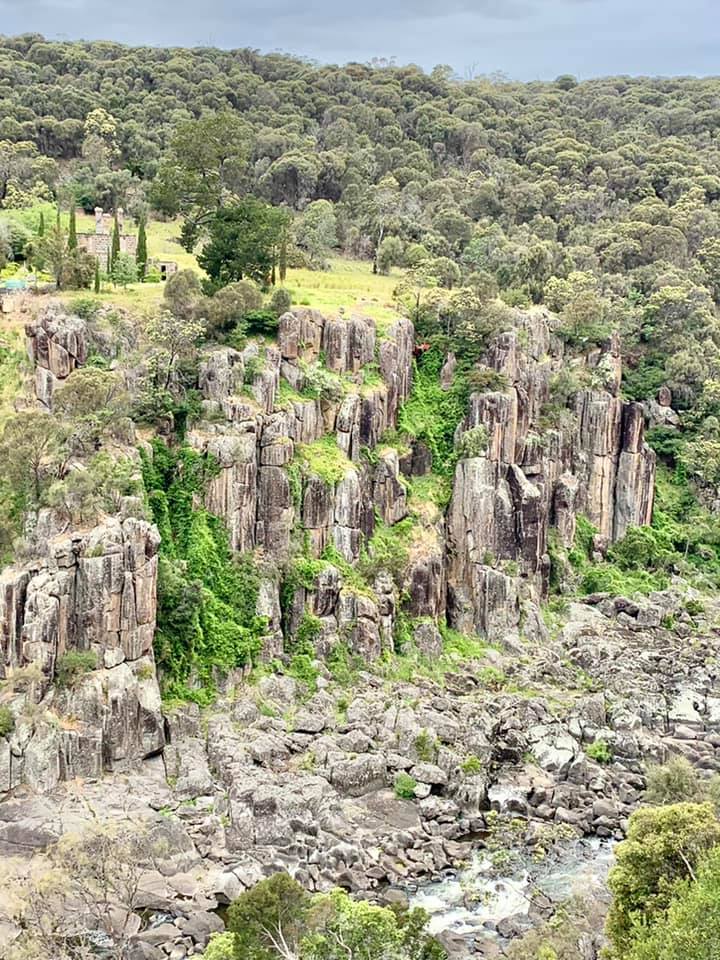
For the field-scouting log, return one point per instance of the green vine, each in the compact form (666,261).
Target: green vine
(207,623)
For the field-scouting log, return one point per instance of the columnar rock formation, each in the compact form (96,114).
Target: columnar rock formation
(272,778)
(484,565)
(93,592)
(532,476)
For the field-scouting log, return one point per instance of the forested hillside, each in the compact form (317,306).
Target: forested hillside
(359,510)
(599,199)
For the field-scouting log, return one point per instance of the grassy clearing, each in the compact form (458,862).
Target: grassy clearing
(349,284)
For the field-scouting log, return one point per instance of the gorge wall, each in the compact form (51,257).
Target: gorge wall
(483,564)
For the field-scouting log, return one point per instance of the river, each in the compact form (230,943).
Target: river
(472,902)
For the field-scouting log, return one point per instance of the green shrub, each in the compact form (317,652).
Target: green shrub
(207,599)
(324,459)
(431,414)
(387,549)
(254,366)
(277,903)
(220,947)
(261,323)
(482,379)
(473,442)
(607,578)
(303,667)
(321,383)
(471,766)
(677,781)
(343,665)
(667,442)
(582,547)
(663,848)
(639,563)
(307,634)
(643,381)
(324,926)
(405,786)
(599,751)
(85,307)
(425,747)
(492,677)
(226,310)
(643,548)
(7,721)
(73,665)
(280,301)
(462,646)
(690,930)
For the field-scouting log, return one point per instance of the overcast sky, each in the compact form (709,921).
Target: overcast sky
(527,39)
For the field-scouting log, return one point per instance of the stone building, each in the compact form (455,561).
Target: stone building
(166,268)
(99,244)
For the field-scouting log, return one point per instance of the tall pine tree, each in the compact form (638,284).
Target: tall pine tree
(97,277)
(115,249)
(141,256)
(72,230)
(41,225)
(282,259)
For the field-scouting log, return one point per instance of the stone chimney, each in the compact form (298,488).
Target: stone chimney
(121,220)
(99,225)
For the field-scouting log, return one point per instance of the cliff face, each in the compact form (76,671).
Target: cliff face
(94,593)
(594,463)
(257,439)
(281,776)
(483,564)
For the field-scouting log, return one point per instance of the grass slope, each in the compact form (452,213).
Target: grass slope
(349,284)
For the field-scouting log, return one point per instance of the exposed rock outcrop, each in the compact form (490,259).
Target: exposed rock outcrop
(531,477)
(57,345)
(273,779)
(92,593)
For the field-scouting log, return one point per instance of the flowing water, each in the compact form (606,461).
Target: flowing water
(476,899)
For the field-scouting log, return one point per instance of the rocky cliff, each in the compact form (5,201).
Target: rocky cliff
(534,477)
(484,564)
(301,431)
(95,593)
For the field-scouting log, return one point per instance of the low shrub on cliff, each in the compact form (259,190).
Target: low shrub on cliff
(471,766)
(387,550)
(431,414)
(474,442)
(73,665)
(639,563)
(599,751)
(677,781)
(405,786)
(7,721)
(324,459)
